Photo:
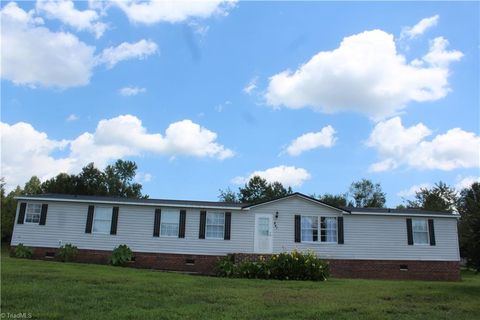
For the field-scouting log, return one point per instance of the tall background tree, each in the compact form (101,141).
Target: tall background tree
(366,194)
(469,225)
(256,190)
(115,180)
(441,197)
(336,200)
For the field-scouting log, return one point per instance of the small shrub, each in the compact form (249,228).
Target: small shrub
(23,252)
(121,255)
(283,266)
(67,252)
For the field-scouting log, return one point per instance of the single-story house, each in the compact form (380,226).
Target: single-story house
(190,236)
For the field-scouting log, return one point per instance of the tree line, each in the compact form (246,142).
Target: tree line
(119,180)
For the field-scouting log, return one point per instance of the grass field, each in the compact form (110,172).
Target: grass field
(53,290)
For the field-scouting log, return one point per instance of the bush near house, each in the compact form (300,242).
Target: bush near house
(67,252)
(23,252)
(284,266)
(121,255)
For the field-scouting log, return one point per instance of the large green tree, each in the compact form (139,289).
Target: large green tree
(336,200)
(256,190)
(440,197)
(116,180)
(366,194)
(469,224)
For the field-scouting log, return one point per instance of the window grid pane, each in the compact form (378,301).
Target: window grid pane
(331,229)
(102,220)
(420,231)
(214,227)
(309,228)
(169,224)
(32,213)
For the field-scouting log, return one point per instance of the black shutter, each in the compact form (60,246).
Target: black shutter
(113,227)
(156,222)
(88,227)
(181,223)
(409,232)
(228,225)
(340,229)
(431,232)
(21,213)
(298,230)
(323,230)
(43,214)
(203,220)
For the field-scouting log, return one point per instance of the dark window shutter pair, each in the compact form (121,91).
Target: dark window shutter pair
(203,221)
(227,225)
(21,213)
(431,232)
(114,223)
(23,208)
(156,222)
(298,230)
(113,227)
(181,223)
(340,230)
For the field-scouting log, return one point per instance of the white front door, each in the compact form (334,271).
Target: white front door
(263,233)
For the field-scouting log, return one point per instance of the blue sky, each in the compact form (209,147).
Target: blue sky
(313,94)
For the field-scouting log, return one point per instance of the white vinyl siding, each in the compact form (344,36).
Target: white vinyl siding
(102,220)
(215,225)
(420,231)
(32,213)
(376,237)
(169,223)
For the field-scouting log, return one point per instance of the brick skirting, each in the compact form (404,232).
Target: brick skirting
(381,269)
(205,264)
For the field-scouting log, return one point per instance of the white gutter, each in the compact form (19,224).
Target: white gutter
(390,214)
(158,204)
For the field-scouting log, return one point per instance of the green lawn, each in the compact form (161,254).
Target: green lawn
(54,290)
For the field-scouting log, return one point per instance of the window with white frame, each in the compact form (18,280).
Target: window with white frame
(102,220)
(32,213)
(309,229)
(329,228)
(169,223)
(312,226)
(420,231)
(215,225)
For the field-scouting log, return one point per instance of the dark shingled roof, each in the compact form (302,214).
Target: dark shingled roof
(227,204)
(139,201)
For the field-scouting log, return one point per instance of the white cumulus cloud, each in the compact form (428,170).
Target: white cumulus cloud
(27,152)
(72,117)
(410,192)
(33,55)
(150,12)
(400,146)
(324,138)
(420,28)
(251,86)
(364,74)
(287,175)
(131,91)
(65,11)
(466,182)
(125,51)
